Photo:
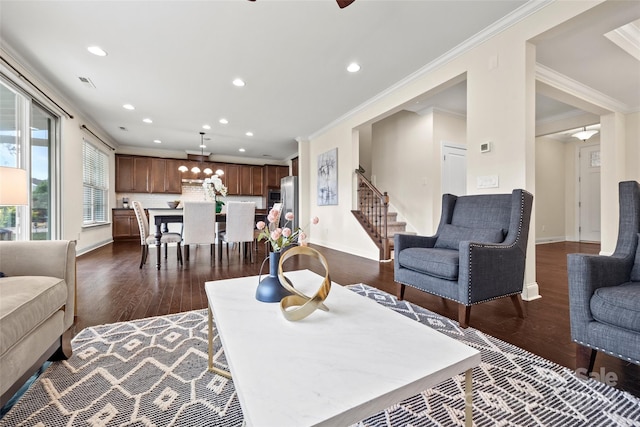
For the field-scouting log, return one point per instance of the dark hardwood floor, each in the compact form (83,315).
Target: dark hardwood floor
(111,288)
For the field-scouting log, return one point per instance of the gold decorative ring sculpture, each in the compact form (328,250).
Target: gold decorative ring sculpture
(304,305)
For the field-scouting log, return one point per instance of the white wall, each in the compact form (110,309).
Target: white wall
(407,159)
(404,164)
(173,154)
(446,128)
(633,147)
(500,108)
(88,238)
(70,159)
(550,190)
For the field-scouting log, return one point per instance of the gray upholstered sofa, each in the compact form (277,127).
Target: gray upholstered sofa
(37,300)
(604,291)
(477,254)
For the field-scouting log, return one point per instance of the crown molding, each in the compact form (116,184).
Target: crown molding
(562,116)
(559,81)
(497,27)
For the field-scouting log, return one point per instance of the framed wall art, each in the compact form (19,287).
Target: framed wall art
(328,178)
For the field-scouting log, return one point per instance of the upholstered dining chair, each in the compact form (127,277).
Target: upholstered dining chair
(199,225)
(477,254)
(147,238)
(240,227)
(604,292)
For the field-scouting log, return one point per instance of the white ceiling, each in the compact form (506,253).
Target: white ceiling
(175,60)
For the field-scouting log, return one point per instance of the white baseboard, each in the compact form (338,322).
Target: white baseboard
(93,247)
(544,240)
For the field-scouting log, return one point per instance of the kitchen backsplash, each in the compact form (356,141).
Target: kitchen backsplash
(189,192)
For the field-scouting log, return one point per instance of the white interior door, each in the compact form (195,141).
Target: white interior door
(589,193)
(454,169)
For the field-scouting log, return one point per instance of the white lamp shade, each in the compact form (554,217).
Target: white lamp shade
(13,187)
(183,168)
(584,134)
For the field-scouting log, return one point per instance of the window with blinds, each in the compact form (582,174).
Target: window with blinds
(95,181)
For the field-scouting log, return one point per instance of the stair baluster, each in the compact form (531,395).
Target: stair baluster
(373,213)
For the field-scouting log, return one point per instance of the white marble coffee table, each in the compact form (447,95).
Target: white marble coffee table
(333,368)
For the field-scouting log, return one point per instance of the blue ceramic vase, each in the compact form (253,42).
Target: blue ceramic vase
(269,289)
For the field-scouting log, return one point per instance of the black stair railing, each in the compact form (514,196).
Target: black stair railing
(373,206)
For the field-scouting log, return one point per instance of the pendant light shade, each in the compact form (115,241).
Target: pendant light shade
(584,134)
(196,169)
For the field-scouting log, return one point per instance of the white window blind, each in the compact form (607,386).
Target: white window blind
(95,181)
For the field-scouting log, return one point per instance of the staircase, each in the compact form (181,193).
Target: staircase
(374,216)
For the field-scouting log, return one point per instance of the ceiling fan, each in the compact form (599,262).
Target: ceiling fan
(341,3)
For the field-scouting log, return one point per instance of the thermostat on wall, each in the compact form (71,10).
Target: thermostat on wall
(485,147)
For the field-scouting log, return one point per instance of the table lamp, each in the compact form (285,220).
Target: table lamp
(13,186)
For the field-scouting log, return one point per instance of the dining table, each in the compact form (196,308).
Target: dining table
(164,216)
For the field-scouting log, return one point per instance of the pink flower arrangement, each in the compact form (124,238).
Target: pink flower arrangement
(278,237)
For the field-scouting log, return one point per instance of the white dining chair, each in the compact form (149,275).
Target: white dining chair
(148,238)
(239,227)
(199,225)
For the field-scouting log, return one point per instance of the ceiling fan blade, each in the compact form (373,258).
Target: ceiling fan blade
(344,3)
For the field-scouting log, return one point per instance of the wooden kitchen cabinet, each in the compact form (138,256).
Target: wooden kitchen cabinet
(232,182)
(173,180)
(245,180)
(125,225)
(273,174)
(165,176)
(140,174)
(257,180)
(133,174)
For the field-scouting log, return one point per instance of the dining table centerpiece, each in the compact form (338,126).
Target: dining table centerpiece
(280,238)
(213,187)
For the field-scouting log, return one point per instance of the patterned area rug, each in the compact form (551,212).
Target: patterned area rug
(153,372)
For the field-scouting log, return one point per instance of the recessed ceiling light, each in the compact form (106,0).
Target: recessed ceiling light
(224,121)
(242,150)
(238,82)
(207,127)
(157,141)
(249,133)
(97,50)
(128,107)
(147,120)
(353,68)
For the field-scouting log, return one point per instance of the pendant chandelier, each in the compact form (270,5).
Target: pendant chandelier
(196,169)
(584,134)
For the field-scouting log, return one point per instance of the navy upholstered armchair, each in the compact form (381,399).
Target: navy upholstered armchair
(604,291)
(478,253)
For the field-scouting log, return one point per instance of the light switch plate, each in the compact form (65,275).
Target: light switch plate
(487,181)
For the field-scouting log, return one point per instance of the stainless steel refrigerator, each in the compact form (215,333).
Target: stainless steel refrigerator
(289,198)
